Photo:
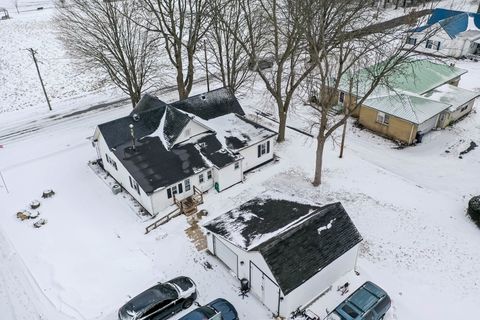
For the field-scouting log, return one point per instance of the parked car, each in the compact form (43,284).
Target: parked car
(369,302)
(219,309)
(160,301)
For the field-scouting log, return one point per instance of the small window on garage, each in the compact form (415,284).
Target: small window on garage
(187,184)
(383,118)
(237,165)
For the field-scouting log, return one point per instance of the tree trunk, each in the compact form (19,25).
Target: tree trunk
(317,180)
(282,126)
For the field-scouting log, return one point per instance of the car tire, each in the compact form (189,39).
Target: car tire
(187,303)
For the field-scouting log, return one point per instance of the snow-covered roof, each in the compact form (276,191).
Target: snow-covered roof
(158,160)
(451,95)
(415,109)
(238,132)
(297,240)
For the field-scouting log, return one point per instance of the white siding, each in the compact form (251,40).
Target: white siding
(319,282)
(160,200)
(228,176)
(428,125)
(121,175)
(250,155)
(192,129)
(450,47)
(457,114)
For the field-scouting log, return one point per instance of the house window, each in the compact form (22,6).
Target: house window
(187,185)
(200,178)
(341,97)
(433,45)
(111,161)
(263,148)
(411,41)
(383,118)
(237,165)
(180,187)
(169,193)
(209,174)
(464,108)
(174,190)
(134,184)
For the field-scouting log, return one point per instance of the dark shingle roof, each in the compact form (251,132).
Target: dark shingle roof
(213,150)
(175,121)
(211,104)
(147,102)
(153,166)
(296,240)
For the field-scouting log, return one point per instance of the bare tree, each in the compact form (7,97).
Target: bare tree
(351,52)
(103,35)
(181,24)
(275,31)
(227,60)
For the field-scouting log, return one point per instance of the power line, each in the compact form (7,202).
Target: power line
(34,52)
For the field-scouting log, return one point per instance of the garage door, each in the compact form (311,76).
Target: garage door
(225,254)
(428,125)
(264,288)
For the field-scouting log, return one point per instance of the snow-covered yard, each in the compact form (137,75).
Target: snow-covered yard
(92,255)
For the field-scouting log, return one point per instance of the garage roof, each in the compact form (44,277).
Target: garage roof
(296,240)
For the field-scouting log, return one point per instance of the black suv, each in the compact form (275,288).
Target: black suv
(160,301)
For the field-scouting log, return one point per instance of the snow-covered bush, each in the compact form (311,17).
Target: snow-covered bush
(474,209)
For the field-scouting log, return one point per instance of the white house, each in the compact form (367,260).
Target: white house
(289,252)
(448,33)
(162,153)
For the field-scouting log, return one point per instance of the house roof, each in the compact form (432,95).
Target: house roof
(452,22)
(237,132)
(158,161)
(414,76)
(154,167)
(296,240)
(415,109)
(451,95)
(209,105)
(147,102)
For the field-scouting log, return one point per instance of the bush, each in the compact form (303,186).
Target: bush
(474,209)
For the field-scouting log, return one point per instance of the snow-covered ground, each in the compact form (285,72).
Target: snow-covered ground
(92,255)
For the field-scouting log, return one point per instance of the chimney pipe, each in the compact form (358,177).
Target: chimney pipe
(132,133)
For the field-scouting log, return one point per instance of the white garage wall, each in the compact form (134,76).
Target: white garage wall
(318,283)
(250,155)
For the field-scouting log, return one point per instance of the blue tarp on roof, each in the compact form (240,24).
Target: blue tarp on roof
(453,22)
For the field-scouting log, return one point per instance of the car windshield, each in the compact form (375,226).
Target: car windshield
(363,299)
(202,313)
(152,296)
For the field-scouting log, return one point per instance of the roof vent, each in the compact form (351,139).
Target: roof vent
(135,117)
(204,97)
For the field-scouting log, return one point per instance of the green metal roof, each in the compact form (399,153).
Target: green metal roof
(415,76)
(414,109)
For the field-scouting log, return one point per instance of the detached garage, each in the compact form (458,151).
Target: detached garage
(289,252)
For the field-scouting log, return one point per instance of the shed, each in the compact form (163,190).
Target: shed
(290,252)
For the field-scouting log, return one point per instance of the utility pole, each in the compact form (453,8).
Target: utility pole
(206,64)
(34,52)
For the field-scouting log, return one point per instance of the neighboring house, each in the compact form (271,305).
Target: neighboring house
(448,33)
(164,153)
(421,96)
(289,252)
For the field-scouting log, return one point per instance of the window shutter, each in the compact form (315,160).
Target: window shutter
(180,188)
(169,193)
(259,147)
(268,146)
(131,183)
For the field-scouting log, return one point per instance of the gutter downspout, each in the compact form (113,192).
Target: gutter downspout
(411,134)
